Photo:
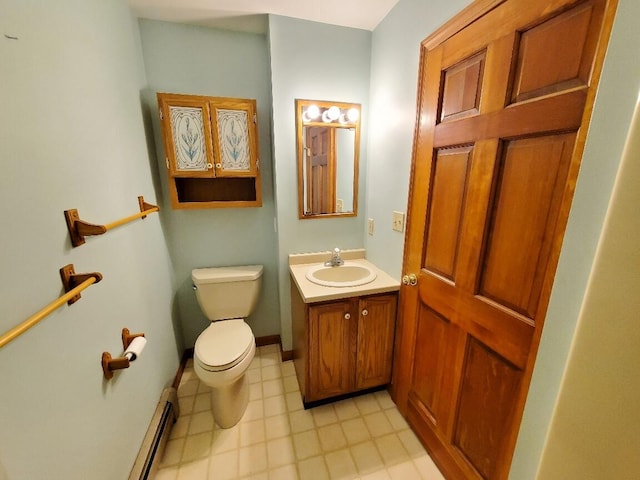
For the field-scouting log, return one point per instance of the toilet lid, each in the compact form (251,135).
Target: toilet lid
(224,344)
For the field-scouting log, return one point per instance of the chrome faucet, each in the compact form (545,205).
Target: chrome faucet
(335,260)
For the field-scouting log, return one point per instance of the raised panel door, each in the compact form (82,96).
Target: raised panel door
(504,107)
(331,356)
(376,329)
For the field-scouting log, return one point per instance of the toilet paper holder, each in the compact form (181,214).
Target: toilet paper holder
(109,363)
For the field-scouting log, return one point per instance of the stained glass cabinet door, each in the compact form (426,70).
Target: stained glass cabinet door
(233,124)
(188,148)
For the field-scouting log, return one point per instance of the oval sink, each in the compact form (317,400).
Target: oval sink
(347,275)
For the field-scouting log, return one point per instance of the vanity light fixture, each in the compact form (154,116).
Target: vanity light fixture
(330,115)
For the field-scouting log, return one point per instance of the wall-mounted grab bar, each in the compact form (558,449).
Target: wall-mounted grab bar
(78,229)
(74,283)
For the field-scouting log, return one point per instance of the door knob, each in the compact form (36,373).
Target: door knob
(410,279)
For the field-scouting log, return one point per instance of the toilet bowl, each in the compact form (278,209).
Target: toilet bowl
(222,355)
(225,349)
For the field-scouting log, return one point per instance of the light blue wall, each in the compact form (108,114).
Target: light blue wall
(321,62)
(205,61)
(394,85)
(585,438)
(72,136)
(392,117)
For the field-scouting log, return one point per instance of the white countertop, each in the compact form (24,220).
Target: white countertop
(311,292)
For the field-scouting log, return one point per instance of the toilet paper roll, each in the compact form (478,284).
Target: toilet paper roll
(135,348)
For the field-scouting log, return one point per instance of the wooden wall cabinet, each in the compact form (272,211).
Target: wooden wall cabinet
(342,346)
(211,151)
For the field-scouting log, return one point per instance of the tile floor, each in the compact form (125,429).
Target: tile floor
(360,438)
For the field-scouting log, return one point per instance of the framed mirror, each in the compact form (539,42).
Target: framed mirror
(328,145)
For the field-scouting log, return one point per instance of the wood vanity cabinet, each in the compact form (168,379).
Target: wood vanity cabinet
(211,150)
(342,346)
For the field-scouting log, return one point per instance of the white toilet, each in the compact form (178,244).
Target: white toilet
(223,352)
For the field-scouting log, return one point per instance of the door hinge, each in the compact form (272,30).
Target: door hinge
(255,118)
(166,159)
(161,115)
(258,163)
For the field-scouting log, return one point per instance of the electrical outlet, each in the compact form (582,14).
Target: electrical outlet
(339,205)
(370,226)
(398,221)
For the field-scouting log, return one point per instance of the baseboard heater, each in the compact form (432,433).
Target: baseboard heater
(157,435)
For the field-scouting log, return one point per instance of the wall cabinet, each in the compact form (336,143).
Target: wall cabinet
(342,346)
(211,151)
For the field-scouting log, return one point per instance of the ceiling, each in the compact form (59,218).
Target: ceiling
(249,15)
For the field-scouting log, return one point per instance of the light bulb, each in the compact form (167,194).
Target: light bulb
(353,114)
(333,113)
(313,112)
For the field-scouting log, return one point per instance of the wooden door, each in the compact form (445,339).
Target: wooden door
(320,167)
(376,328)
(505,97)
(331,356)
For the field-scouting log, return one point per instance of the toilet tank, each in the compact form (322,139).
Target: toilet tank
(227,292)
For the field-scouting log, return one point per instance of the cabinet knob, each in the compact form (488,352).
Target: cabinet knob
(218,165)
(347,316)
(209,166)
(410,279)
(365,312)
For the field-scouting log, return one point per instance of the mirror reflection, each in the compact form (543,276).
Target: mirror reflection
(328,139)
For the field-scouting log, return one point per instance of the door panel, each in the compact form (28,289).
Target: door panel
(489,383)
(531,179)
(539,73)
(428,371)
(449,180)
(504,105)
(462,85)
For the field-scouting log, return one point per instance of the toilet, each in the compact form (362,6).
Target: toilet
(224,350)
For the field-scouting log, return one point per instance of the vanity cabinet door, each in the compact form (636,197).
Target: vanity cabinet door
(332,344)
(376,327)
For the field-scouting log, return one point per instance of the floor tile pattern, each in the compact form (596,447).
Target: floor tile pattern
(362,438)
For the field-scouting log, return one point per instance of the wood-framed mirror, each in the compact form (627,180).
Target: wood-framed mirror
(328,149)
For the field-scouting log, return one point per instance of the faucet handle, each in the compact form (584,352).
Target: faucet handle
(335,259)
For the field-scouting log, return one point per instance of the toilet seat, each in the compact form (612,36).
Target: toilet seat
(223,345)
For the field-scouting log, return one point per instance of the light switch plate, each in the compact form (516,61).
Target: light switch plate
(370,226)
(398,221)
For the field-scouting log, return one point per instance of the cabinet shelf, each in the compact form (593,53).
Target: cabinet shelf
(201,192)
